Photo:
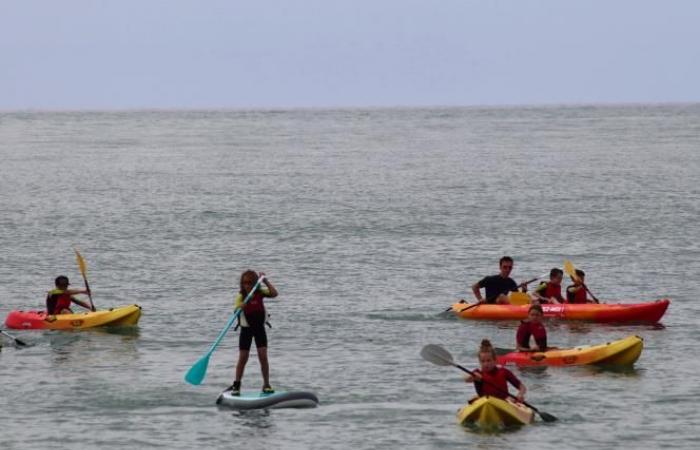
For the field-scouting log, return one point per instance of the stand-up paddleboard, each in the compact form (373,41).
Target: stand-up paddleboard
(258,400)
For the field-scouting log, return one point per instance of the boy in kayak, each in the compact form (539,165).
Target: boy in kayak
(550,291)
(58,300)
(498,286)
(252,321)
(491,379)
(532,327)
(576,293)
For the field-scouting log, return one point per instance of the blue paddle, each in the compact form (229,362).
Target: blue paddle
(198,371)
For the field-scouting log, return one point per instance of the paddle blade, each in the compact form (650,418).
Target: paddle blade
(437,355)
(547,417)
(198,371)
(519,298)
(81,262)
(570,269)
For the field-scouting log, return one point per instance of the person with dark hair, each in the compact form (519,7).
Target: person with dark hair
(252,322)
(576,293)
(58,300)
(498,286)
(550,291)
(532,328)
(492,379)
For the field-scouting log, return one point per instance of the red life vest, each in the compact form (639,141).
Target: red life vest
(254,310)
(57,300)
(576,297)
(536,330)
(549,290)
(495,382)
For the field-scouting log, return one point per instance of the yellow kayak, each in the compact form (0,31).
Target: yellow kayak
(39,320)
(623,352)
(491,412)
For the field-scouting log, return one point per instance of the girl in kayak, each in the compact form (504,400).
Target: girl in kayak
(58,300)
(550,291)
(491,379)
(252,322)
(532,327)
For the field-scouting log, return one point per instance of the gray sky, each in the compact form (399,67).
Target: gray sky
(75,54)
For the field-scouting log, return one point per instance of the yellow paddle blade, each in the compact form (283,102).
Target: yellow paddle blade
(519,298)
(570,269)
(81,262)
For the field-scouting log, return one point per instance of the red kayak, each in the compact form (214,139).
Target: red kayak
(649,312)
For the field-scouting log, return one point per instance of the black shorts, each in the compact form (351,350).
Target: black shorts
(247,335)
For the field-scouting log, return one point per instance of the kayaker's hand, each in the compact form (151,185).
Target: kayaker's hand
(476,376)
(520,397)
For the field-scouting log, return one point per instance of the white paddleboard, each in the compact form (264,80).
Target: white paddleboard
(257,400)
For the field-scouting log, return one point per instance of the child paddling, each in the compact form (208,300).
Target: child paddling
(252,322)
(491,379)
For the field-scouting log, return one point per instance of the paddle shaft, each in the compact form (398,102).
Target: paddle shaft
(499,389)
(18,341)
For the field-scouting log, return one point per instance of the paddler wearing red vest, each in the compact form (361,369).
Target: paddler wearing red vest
(252,321)
(576,293)
(492,379)
(58,300)
(532,328)
(550,291)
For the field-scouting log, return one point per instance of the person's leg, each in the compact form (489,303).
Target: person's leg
(244,342)
(261,346)
(240,367)
(264,365)
(503,300)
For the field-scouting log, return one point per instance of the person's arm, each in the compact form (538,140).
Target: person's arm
(476,289)
(522,336)
(50,305)
(272,292)
(512,379)
(81,303)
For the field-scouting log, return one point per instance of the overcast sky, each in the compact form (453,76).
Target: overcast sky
(89,54)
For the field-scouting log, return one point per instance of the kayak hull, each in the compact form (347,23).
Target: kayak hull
(623,352)
(258,400)
(39,320)
(494,413)
(648,312)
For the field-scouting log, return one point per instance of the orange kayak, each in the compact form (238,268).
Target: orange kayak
(648,312)
(623,352)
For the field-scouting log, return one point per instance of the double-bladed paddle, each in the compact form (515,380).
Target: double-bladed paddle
(521,285)
(441,357)
(17,341)
(198,370)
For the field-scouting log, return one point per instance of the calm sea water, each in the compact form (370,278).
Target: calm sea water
(370,223)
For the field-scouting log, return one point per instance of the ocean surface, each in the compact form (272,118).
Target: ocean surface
(370,223)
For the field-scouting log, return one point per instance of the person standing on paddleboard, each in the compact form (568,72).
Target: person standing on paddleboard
(252,322)
(532,328)
(497,287)
(58,300)
(492,379)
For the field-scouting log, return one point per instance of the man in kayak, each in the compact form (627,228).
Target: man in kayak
(58,300)
(532,328)
(491,379)
(252,321)
(550,291)
(576,293)
(497,287)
